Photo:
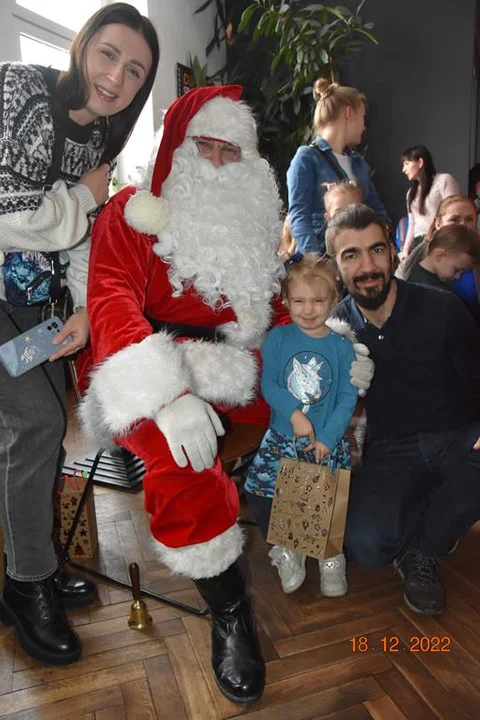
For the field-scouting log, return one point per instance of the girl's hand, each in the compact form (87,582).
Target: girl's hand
(77,326)
(302,427)
(321,450)
(477,445)
(98,182)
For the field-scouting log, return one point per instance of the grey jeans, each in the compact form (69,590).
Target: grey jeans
(32,427)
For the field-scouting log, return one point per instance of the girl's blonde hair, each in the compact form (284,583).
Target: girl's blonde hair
(345,188)
(288,244)
(331,99)
(311,269)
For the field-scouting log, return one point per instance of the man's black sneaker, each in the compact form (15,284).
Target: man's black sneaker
(424,592)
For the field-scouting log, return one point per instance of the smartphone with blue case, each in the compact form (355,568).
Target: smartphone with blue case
(31,348)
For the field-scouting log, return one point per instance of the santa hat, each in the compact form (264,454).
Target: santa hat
(146,211)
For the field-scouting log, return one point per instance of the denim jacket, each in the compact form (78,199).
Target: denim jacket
(305,176)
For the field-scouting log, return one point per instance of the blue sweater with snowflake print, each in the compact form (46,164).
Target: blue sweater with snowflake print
(312,375)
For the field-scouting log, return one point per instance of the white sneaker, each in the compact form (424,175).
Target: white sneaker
(333,576)
(290,566)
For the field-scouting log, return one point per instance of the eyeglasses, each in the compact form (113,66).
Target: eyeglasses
(229,152)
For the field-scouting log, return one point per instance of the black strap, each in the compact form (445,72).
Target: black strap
(59,125)
(60,117)
(55,279)
(211,334)
(329,160)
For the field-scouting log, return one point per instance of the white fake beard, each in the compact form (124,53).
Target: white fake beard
(224,230)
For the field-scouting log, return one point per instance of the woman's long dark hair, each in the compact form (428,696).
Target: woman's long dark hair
(72,89)
(427,173)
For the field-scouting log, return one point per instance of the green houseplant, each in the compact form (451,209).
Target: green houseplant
(276,50)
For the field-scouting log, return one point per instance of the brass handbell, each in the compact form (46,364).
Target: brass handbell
(140,618)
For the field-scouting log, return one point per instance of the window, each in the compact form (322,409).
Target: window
(37,52)
(67,13)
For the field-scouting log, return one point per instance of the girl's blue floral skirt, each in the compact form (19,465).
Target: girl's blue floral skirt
(262,473)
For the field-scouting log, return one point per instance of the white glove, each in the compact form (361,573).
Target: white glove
(190,426)
(362,368)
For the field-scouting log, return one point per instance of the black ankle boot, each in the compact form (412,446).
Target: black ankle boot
(34,610)
(73,589)
(237,661)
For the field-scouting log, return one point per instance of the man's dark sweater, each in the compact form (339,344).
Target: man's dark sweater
(427,357)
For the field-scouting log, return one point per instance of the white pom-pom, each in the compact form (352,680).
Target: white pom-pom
(147,213)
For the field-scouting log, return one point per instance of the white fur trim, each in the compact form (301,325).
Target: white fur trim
(147,213)
(252,323)
(205,560)
(342,328)
(133,384)
(226,119)
(221,373)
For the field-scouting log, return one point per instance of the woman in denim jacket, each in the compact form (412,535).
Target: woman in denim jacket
(339,122)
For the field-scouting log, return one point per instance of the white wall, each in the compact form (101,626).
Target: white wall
(9,41)
(180,32)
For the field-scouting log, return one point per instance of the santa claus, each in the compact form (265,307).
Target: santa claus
(196,254)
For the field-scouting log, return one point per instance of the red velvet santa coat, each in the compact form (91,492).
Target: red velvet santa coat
(136,373)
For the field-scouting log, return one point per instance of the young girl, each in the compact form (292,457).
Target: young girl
(59,132)
(305,380)
(337,196)
(338,125)
(427,189)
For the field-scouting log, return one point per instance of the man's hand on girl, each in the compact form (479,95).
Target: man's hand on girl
(362,368)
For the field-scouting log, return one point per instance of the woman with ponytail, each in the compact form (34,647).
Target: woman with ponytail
(338,125)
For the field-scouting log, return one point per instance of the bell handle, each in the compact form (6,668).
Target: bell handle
(135,580)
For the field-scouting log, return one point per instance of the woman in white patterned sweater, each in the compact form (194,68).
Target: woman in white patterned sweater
(60,132)
(427,190)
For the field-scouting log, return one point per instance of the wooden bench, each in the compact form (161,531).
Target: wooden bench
(239,444)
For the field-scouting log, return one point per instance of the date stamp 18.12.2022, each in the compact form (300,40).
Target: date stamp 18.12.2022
(393,643)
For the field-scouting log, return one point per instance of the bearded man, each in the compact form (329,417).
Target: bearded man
(197,254)
(418,489)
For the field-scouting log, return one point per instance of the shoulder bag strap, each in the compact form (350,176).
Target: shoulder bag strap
(59,125)
(325,156)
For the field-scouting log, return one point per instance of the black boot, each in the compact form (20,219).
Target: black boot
(237,661)
(73,589)
(42,627)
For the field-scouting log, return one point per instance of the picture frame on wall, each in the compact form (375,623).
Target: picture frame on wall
(185,79)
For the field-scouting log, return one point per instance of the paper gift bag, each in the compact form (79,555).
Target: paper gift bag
(69,491)
(309,508)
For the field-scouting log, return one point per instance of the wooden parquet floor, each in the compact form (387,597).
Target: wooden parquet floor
(313,670)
